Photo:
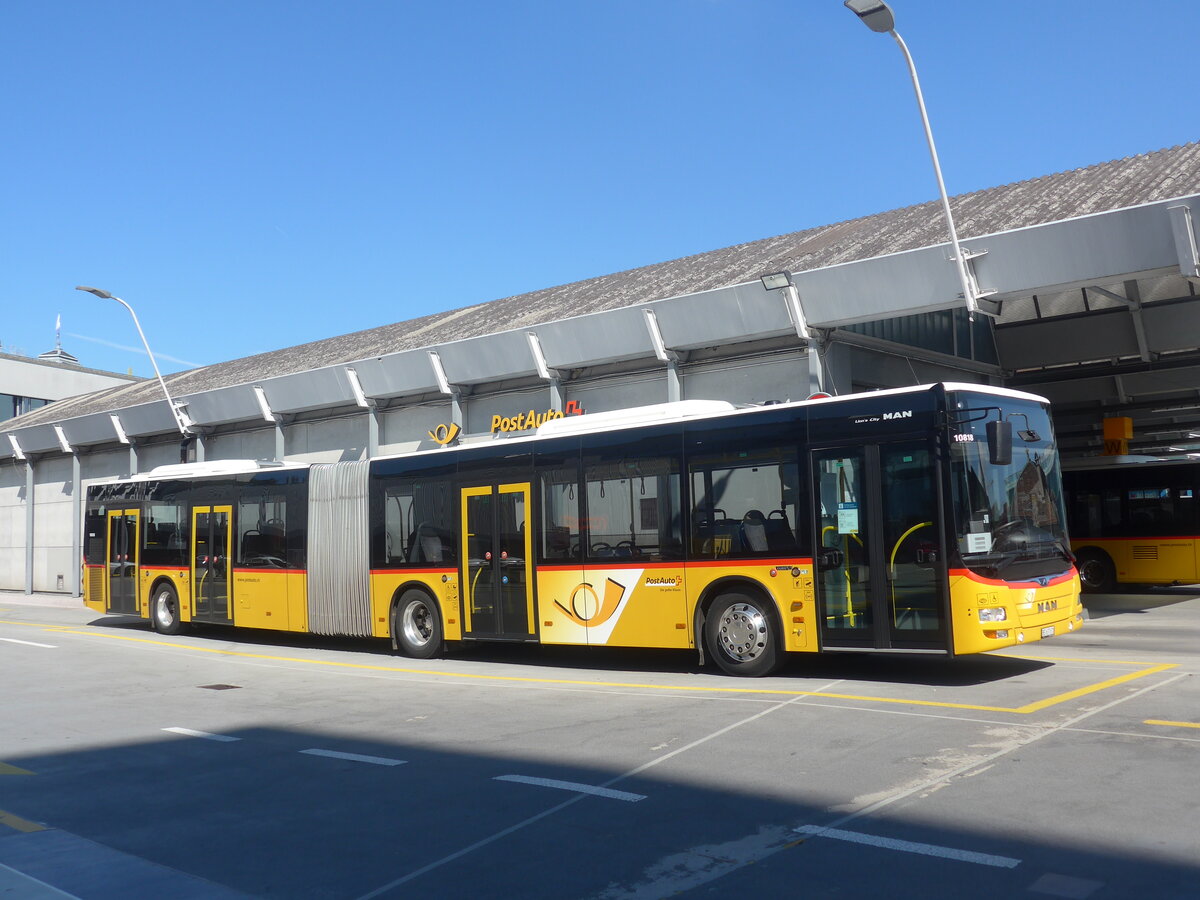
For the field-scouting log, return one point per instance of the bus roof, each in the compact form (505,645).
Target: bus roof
(659,413)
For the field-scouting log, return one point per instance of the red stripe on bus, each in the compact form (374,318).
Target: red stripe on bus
(996,582)
(1150,539)
(420,571)
(694,564)
(237,569)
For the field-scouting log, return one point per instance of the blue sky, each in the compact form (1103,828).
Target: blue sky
(257,174)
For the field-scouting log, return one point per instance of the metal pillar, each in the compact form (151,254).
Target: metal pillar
(29,525)
(372,432)
(674,383)
(76,526)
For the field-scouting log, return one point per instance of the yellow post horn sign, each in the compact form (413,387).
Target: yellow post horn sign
(443,434)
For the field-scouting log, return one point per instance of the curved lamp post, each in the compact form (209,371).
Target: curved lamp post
(877,16)
(180,421)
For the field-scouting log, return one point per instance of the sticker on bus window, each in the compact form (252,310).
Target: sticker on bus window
(979,542)
(847,518)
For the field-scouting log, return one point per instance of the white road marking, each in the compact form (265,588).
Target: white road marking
(854,837)
(574,786)
(357,757)
(18,881)
(637,770)
(188,732)
(30,643)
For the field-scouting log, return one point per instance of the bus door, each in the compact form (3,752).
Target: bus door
(879,560)
(122,556)
(497,562)
(212,573)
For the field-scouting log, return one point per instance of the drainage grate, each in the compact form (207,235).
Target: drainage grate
(219,687)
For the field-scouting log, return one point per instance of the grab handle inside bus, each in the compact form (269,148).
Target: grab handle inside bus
(999,436)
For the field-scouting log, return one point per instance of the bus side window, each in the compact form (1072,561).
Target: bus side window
(418,524)
(560,514)
(744,504)
(262,537)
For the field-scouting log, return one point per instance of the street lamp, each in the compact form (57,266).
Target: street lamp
(179,419)
(877,16)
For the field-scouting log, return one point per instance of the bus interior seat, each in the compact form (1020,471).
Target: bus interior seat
(424,545)
(754,531)
(779,531)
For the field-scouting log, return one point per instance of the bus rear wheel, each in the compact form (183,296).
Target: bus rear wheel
(164,610)
(417,625)
(741,636)
(1097,574)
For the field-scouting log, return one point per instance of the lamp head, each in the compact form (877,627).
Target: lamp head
(103,295)
(875,14)
(775,281)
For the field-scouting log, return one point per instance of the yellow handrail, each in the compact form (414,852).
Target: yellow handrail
(892,567)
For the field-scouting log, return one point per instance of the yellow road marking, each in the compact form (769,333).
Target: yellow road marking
(1091,689)
(18,823)
(1174,724)
(1020,710)
(6,769)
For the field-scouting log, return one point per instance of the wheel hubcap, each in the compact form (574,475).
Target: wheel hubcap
(164,609)
(742,632)
(416,624)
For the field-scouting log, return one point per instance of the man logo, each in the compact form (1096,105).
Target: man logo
(443,434)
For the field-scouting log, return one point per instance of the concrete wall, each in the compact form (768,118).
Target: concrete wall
(257,444)
(781,377)
(54,526)
(406,429)
(327,440)
(620,392)
(12,525)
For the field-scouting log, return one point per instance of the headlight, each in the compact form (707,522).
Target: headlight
(992,614)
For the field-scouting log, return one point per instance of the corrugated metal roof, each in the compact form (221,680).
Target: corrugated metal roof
(1135,180)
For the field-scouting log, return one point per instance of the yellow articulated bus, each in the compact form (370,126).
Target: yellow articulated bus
(907,520)
(1134,520)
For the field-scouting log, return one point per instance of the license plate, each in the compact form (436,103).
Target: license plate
(1048,631)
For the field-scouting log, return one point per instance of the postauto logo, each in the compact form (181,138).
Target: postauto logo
(533,419)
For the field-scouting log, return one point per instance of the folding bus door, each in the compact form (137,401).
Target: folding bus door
(879,560)
(122,556)
(498,562)
(212,574)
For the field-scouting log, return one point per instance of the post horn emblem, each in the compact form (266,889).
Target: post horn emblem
(444,434)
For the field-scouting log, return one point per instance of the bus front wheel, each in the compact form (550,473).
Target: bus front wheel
(1097,574)
(164,610)
(417,625)
(741,635)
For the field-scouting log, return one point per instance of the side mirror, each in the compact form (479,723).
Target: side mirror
(999,436)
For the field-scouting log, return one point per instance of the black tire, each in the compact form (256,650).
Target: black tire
(417,625)
(164,610)
(741,635)
(1097,574)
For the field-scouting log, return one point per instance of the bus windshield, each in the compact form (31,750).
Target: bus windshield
(1009,520)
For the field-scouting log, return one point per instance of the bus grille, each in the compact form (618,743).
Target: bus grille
(95,584)
(1145,552)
